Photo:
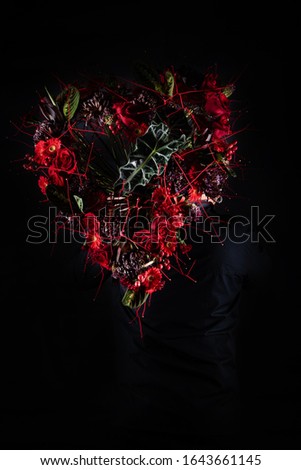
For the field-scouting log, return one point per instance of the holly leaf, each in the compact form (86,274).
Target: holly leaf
(149,157)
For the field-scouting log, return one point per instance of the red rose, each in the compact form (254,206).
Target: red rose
(221,127)
(133,116)
(54,177)
(65,161)
(210,80)
(46,151)
(216,103)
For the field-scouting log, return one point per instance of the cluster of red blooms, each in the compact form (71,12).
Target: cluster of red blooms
(58,160)
(152,150)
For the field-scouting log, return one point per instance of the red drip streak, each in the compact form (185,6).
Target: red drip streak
(69,198)
(138,319)
(191,267)
(183,274)
(99,285)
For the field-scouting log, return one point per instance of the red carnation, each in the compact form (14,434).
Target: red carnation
(93,240)
(194,195)
(151,280)
(160,195)
(175,221)
(162,201)
(169,245)
(46,151)
(164,235)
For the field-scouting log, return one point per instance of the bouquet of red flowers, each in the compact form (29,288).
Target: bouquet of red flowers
(132,164)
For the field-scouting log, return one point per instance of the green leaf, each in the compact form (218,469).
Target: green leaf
(134,299)
(230,171)
(152,152)
(57,195)
(72,96)
(220,158)
(149,76)
(170,83)
(228,90)
(50,97)
(79,202)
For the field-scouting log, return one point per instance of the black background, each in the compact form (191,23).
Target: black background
(55,369)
